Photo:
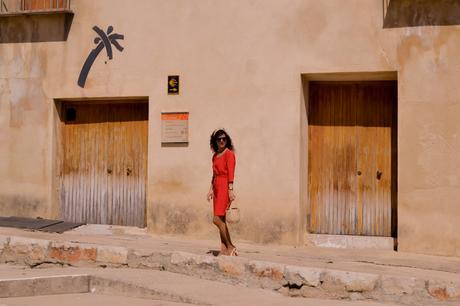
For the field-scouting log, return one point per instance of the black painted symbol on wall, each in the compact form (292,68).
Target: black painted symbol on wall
(103,41)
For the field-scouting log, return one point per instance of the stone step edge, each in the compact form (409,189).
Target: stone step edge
(84,283)
(44,285)
(288,279)
(110,286)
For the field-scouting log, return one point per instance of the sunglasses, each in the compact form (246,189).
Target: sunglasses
(221,139)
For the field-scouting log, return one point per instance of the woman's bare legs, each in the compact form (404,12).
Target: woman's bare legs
(219,221)
(223,248)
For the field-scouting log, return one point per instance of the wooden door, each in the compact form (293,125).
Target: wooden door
(127,163)
(351,157)
(104,163)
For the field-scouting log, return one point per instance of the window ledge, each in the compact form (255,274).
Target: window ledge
(35,26)
(37,12)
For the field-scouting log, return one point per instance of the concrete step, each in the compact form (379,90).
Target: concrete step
(405,285)
(71,281)
(164,286)
(44,285)
(86,299)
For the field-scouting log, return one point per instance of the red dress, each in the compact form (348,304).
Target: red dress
(223,169)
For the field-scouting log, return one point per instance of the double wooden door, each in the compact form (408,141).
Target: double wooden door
(352,158)
(104,165)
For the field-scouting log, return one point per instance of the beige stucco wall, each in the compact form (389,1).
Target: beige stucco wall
(240,64)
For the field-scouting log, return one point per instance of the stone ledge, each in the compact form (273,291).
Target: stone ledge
(112,255)
(26,250)
(71,253)
(288,279)
(4,241)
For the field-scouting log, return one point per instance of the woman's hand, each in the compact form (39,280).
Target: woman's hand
(210,195)
(231,196)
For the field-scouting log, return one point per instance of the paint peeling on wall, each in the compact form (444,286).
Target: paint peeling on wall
(26,101)
(425,41)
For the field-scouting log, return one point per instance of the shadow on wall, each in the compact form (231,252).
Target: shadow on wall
(37,27)
(21,206)
(168,218)
(414,13)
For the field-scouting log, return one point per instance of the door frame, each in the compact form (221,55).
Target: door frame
(57,157)
(342,77)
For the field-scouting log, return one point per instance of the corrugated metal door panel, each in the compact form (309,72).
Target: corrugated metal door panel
(349,145)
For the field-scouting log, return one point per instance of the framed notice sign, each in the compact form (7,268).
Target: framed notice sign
(174,127)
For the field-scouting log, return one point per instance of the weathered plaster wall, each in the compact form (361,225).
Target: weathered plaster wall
(24,136)
(240,64)
(429,140)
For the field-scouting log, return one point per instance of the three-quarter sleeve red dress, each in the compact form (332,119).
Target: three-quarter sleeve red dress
(223,168)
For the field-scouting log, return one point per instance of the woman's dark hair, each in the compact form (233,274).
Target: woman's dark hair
(213,141)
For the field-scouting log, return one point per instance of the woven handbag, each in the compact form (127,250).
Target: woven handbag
(232,214)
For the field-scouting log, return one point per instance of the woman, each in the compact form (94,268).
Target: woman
(221,191)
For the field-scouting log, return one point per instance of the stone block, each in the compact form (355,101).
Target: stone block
(267,269)
(353,281)
(232,266)
(303,275)
(444,290)
(205,260)
(397,285)
(140,253)
(112,255)
(31,250)
(182,258)
(67,252)
(356,296)
(189,259)
(144,259)
(4,240)
(313,292)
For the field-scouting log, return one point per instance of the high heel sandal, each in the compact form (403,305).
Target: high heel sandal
(234,252)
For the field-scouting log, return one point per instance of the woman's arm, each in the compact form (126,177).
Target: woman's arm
(231,164)
(210,194)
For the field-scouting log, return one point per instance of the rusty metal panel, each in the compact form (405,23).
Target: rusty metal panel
(105,161)
(44,225)
(29,223)
(351,157)
(60,227)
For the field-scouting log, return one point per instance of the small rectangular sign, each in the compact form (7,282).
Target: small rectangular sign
(173,84)
(174,127)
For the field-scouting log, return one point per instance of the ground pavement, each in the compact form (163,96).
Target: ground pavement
(140,287)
